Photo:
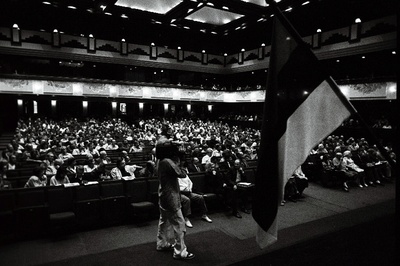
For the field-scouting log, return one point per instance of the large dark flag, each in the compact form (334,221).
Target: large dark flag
(303,105)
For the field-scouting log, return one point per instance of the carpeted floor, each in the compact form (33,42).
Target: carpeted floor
(328,227)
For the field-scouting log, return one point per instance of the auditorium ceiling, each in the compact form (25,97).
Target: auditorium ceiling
(219,26)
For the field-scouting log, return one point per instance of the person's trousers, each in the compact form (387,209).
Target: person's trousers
(168,221)
(187,198)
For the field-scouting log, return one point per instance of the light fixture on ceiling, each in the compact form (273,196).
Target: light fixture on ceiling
(46,3)
(186,27)
(358,20)
(225,7)
(124,16)
(305,3)
(190,10)
(103,7)
(288,9)
(214,32)
(319,30)
(393,52)
(107,13)
(210,4)
(71,7)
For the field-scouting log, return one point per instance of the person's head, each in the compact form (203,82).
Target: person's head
(338,155)
(39,170)
(58,163)
(63,149)
(196,160)
(61,172)
(79,170)
(347,154)
(103,154)
(50,156)
(237,163)
(120,163)
(3,166)
(150,166)
(13,159)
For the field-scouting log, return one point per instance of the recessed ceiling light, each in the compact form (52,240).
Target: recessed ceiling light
(186,27)
(89,10)
(225,7)
(46,3)
(124,16)
(213,32)
(289,9)
(71,7)
(107,13)
(363,57)
(393,52)
(305,3)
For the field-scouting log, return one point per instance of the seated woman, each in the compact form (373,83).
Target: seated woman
(38,178)
(345,173)
(60,178)
(349,163)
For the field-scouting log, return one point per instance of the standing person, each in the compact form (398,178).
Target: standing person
(170,201)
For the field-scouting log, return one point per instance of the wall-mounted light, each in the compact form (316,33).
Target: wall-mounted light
(91,44)
(55,38)
(15,35)
(189,108)
(153,51)
(355,31)
(261,52)
(316,39)
(204,57)
(180,54)
(166,105)
(124,47)
(241,56)
(210,107)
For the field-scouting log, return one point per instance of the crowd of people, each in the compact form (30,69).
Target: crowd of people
(208,146)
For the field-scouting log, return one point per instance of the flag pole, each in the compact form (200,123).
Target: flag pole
(330,80)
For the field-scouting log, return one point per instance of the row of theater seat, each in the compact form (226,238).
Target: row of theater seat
(32,211)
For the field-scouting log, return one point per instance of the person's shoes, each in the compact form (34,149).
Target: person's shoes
(292,199)
(188,223)
(346,189)
(372,184)
(283,202)
(360,186)
(166,248)
(189,256)
(237,214)
(365,185)
(246,211)
(379,183)
(206,218)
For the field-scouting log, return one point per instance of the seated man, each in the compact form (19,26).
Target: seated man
(187,195)
(233,177)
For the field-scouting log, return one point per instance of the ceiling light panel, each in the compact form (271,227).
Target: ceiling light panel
(213,16)
(256,2)
(154,6)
